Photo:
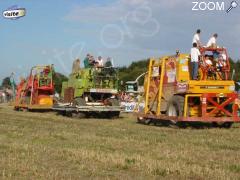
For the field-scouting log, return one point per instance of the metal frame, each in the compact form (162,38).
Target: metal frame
(70,108)
(205,68)
(96,71)
(219,106)
(186,102)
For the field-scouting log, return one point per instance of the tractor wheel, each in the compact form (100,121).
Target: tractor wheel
(68,114)
(79,102)
(23,109)
(61,113)
(114,102)
(145,121)
(78,115)
(148,121)
(109,115)
(114,114)
(227,125)
(175,108)
(222,125)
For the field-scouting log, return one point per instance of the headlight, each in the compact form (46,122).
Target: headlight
(232,88)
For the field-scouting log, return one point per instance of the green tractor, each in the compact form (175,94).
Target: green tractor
(90,92)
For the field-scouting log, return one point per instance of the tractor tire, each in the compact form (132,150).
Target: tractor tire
(109,115)
(114,114)
(226,125)
(175,108)
(68,114)
(78,115)
(114,102)
(79,102)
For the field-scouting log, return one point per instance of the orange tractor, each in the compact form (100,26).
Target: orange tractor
(36,91)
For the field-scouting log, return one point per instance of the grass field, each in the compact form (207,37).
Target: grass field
(46,146)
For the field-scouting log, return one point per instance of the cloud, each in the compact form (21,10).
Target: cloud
(156,25)
(96,13)
(115,10)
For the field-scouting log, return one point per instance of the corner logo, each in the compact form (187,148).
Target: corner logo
(14,12)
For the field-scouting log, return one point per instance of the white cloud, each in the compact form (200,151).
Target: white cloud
(157,24)
(96,13)
(133,2)
(114,11)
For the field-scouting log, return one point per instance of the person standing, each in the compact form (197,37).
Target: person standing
(195,53)
(196,38)
(109,63)
(86,61)
(212,42)
(99,61)
(76,66)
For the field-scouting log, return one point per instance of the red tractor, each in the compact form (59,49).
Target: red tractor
(37,90)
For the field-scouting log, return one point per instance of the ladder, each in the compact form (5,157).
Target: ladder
(153,65)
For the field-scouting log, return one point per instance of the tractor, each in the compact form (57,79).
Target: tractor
(37,90)
(90,92)
(171,95)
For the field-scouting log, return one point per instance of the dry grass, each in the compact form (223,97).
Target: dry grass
(46,146)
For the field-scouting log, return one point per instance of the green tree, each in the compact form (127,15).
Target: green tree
(235,65)
(131,72)
(6,83)
(58,78)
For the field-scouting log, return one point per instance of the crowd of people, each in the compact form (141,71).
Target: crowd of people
(90,61)
(6,95)
(217,59)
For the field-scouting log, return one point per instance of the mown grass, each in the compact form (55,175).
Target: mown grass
(46,146)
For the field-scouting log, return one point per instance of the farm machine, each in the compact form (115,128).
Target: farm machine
(90,92)
(172,96)
(131,98)
(36,91)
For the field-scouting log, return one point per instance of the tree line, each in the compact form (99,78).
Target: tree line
(126,73)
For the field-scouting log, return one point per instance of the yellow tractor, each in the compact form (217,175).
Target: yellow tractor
(172,96)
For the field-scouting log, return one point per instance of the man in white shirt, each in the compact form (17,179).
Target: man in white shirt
(196,38)
(221,62)
(208,60)
(213,41)
(99,61)
(195,53)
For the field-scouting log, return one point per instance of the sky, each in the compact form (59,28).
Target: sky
(59,31)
